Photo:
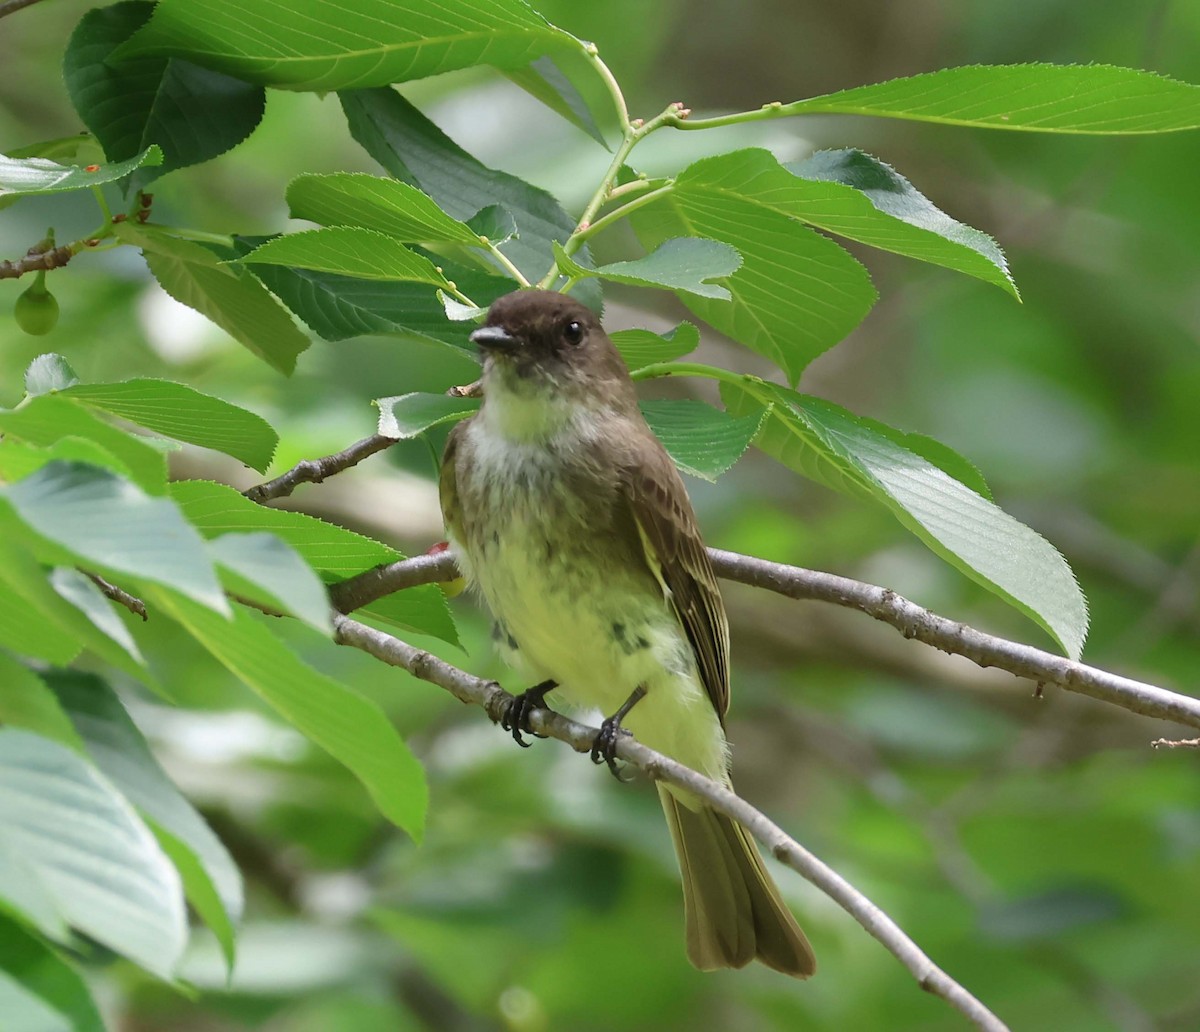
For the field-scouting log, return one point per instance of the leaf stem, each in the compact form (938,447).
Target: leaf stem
(199,235)
(505,262)
(623,211)
(768,111)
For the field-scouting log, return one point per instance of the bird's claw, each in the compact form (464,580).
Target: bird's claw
(604,748)
(515,718)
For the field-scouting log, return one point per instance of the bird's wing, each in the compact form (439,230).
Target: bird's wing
(675,553)
(448,483)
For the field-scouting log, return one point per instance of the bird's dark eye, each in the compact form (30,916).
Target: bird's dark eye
(573,332)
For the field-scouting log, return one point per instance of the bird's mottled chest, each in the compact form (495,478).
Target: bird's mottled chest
(545,538)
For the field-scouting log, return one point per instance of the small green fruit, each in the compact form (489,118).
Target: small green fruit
(36,310)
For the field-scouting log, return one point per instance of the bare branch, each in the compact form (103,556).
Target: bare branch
(1172,743)
(313,471)
(35,260)
(494,699)
(12,6)
(133,604)
(910,619)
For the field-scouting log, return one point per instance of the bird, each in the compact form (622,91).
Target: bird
(569,518)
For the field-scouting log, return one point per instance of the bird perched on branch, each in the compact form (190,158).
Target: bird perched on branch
(571,520)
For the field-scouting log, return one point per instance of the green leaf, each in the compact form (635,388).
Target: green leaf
(1037,97)
(683,263)
(373,202)
(18,459)
(349,727)
(642,347)
(226,294)
(336,553)
(110,525)
(211,882)
(337,307)
(495,223)
(703,440)
(48,373)
(325,45)
(856,196)
(546,80)
(410,415)
(796,294)
(411,148)
(39,990)
(47,419)
(964,528)
(63,606)
(42,176)
(26,701)
(24,630)
(271,572)
(90,851)
(347,251)
(184,413)
(192,113)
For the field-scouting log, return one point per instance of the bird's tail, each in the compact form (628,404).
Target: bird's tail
(733,909)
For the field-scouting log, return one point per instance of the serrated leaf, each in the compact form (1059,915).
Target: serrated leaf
(796,294)
(91,852)
(410,415)
(456,311)
(228,295)
(336,553)
(642,347)
(411,148)
(42,176)
(347,251)
(47,373)
(546,80)
(338,307)
(184,413)
(684,263)
(372,202)
(324,45)
(109,524)
(18,459)
(961,526)
(1037,97)
(49,418)
(348,726)
(192,113)
(495,223)
(211,881)
(856,196)
(39,990)
(272,572)
(702,440)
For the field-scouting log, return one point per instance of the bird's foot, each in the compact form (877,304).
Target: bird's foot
(516,716)
(604,748)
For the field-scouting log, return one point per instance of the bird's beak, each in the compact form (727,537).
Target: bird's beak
(495,337)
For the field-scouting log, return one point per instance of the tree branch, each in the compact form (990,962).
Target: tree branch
(494,700)
(313,471)
(35,260)
(132,603)
(910,619)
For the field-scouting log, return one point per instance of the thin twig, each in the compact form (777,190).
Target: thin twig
(34,261)
(1176,743)
(910,619)
(130,602)
(494,700)
(12,6)
(313,471)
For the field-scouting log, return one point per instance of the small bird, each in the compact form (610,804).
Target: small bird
(566,513)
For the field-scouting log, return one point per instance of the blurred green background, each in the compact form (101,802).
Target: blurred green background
(1038,849)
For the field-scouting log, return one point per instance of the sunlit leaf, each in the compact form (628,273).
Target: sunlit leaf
(42,176)
(684,263)
(347,251)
